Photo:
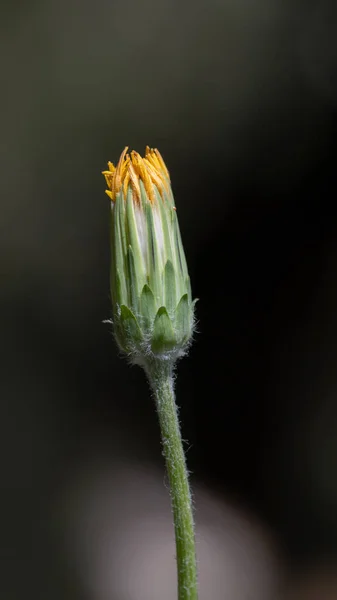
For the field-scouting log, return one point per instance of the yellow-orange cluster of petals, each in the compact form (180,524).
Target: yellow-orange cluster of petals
(131,168)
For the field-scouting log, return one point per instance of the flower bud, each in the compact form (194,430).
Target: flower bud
(149,281)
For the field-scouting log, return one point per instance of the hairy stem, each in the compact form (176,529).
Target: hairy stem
(160,375)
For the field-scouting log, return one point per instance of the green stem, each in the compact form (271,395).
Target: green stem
(160,373)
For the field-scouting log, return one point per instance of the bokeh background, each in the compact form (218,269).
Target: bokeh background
(240,97)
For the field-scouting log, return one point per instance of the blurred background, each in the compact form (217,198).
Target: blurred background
(240,97)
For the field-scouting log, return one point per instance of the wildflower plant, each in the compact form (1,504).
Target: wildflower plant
(153,314)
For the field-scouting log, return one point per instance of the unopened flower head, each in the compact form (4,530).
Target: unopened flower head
(150,286)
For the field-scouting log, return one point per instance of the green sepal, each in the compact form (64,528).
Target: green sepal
(131,330)
(170,287)
(183,319)
(118,250)
(165,223)
(133,237)
(119,289)
(180,254)
(118,217)
(147,308)
(133,282)
(154,259)
(163,338)
(188,288)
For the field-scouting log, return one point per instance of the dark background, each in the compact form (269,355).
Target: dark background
(241,99)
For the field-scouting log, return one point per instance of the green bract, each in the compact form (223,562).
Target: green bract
(150,285)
